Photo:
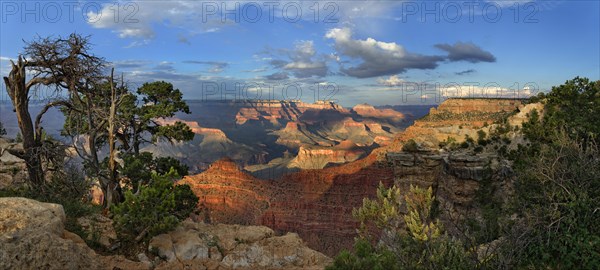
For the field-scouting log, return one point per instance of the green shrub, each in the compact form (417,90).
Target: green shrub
(68,184)
(558,194)
(410,146)
(469,140)
(575,106)
(481,138)
(155,209)
(502,129)
(449,142)
(139,168)
(163,165)
(365,256)
(421,245)
(557,188)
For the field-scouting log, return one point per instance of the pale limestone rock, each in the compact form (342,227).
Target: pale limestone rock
(275,252)
(32,236)
(223,246)
(20,216)
(143,258)
(162,245)
(188,245)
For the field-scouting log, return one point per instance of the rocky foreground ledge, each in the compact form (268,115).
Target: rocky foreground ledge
(32,236)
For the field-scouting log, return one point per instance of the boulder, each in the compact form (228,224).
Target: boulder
(286,251)
(233,247)
(162,245)
(32,236)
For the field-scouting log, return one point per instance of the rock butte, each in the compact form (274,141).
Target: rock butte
(367,110)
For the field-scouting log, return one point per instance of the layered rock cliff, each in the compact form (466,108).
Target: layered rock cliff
(275,111)
(229,195)
(456,179)
(462,179)
(318,158)
(456,118)
(482,105)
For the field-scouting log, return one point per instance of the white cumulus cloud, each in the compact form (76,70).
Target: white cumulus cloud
(377,58)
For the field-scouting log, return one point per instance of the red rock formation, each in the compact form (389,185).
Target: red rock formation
(195,127)
(350,123)
(317,204)
(366,110)
(228,195)
(382,140)
(346,144)
(290,126)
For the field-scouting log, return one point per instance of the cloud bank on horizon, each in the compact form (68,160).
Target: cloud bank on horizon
(379,52)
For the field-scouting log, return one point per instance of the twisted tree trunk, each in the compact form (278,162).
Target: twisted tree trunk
(113,190)
(18,92)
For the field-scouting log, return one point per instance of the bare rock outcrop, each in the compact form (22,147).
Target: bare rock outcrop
(455,178)
(223,246)
(32,236)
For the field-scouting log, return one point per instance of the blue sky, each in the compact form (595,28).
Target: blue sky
(380,52)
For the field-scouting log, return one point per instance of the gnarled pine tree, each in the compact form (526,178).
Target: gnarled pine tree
(56,63)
